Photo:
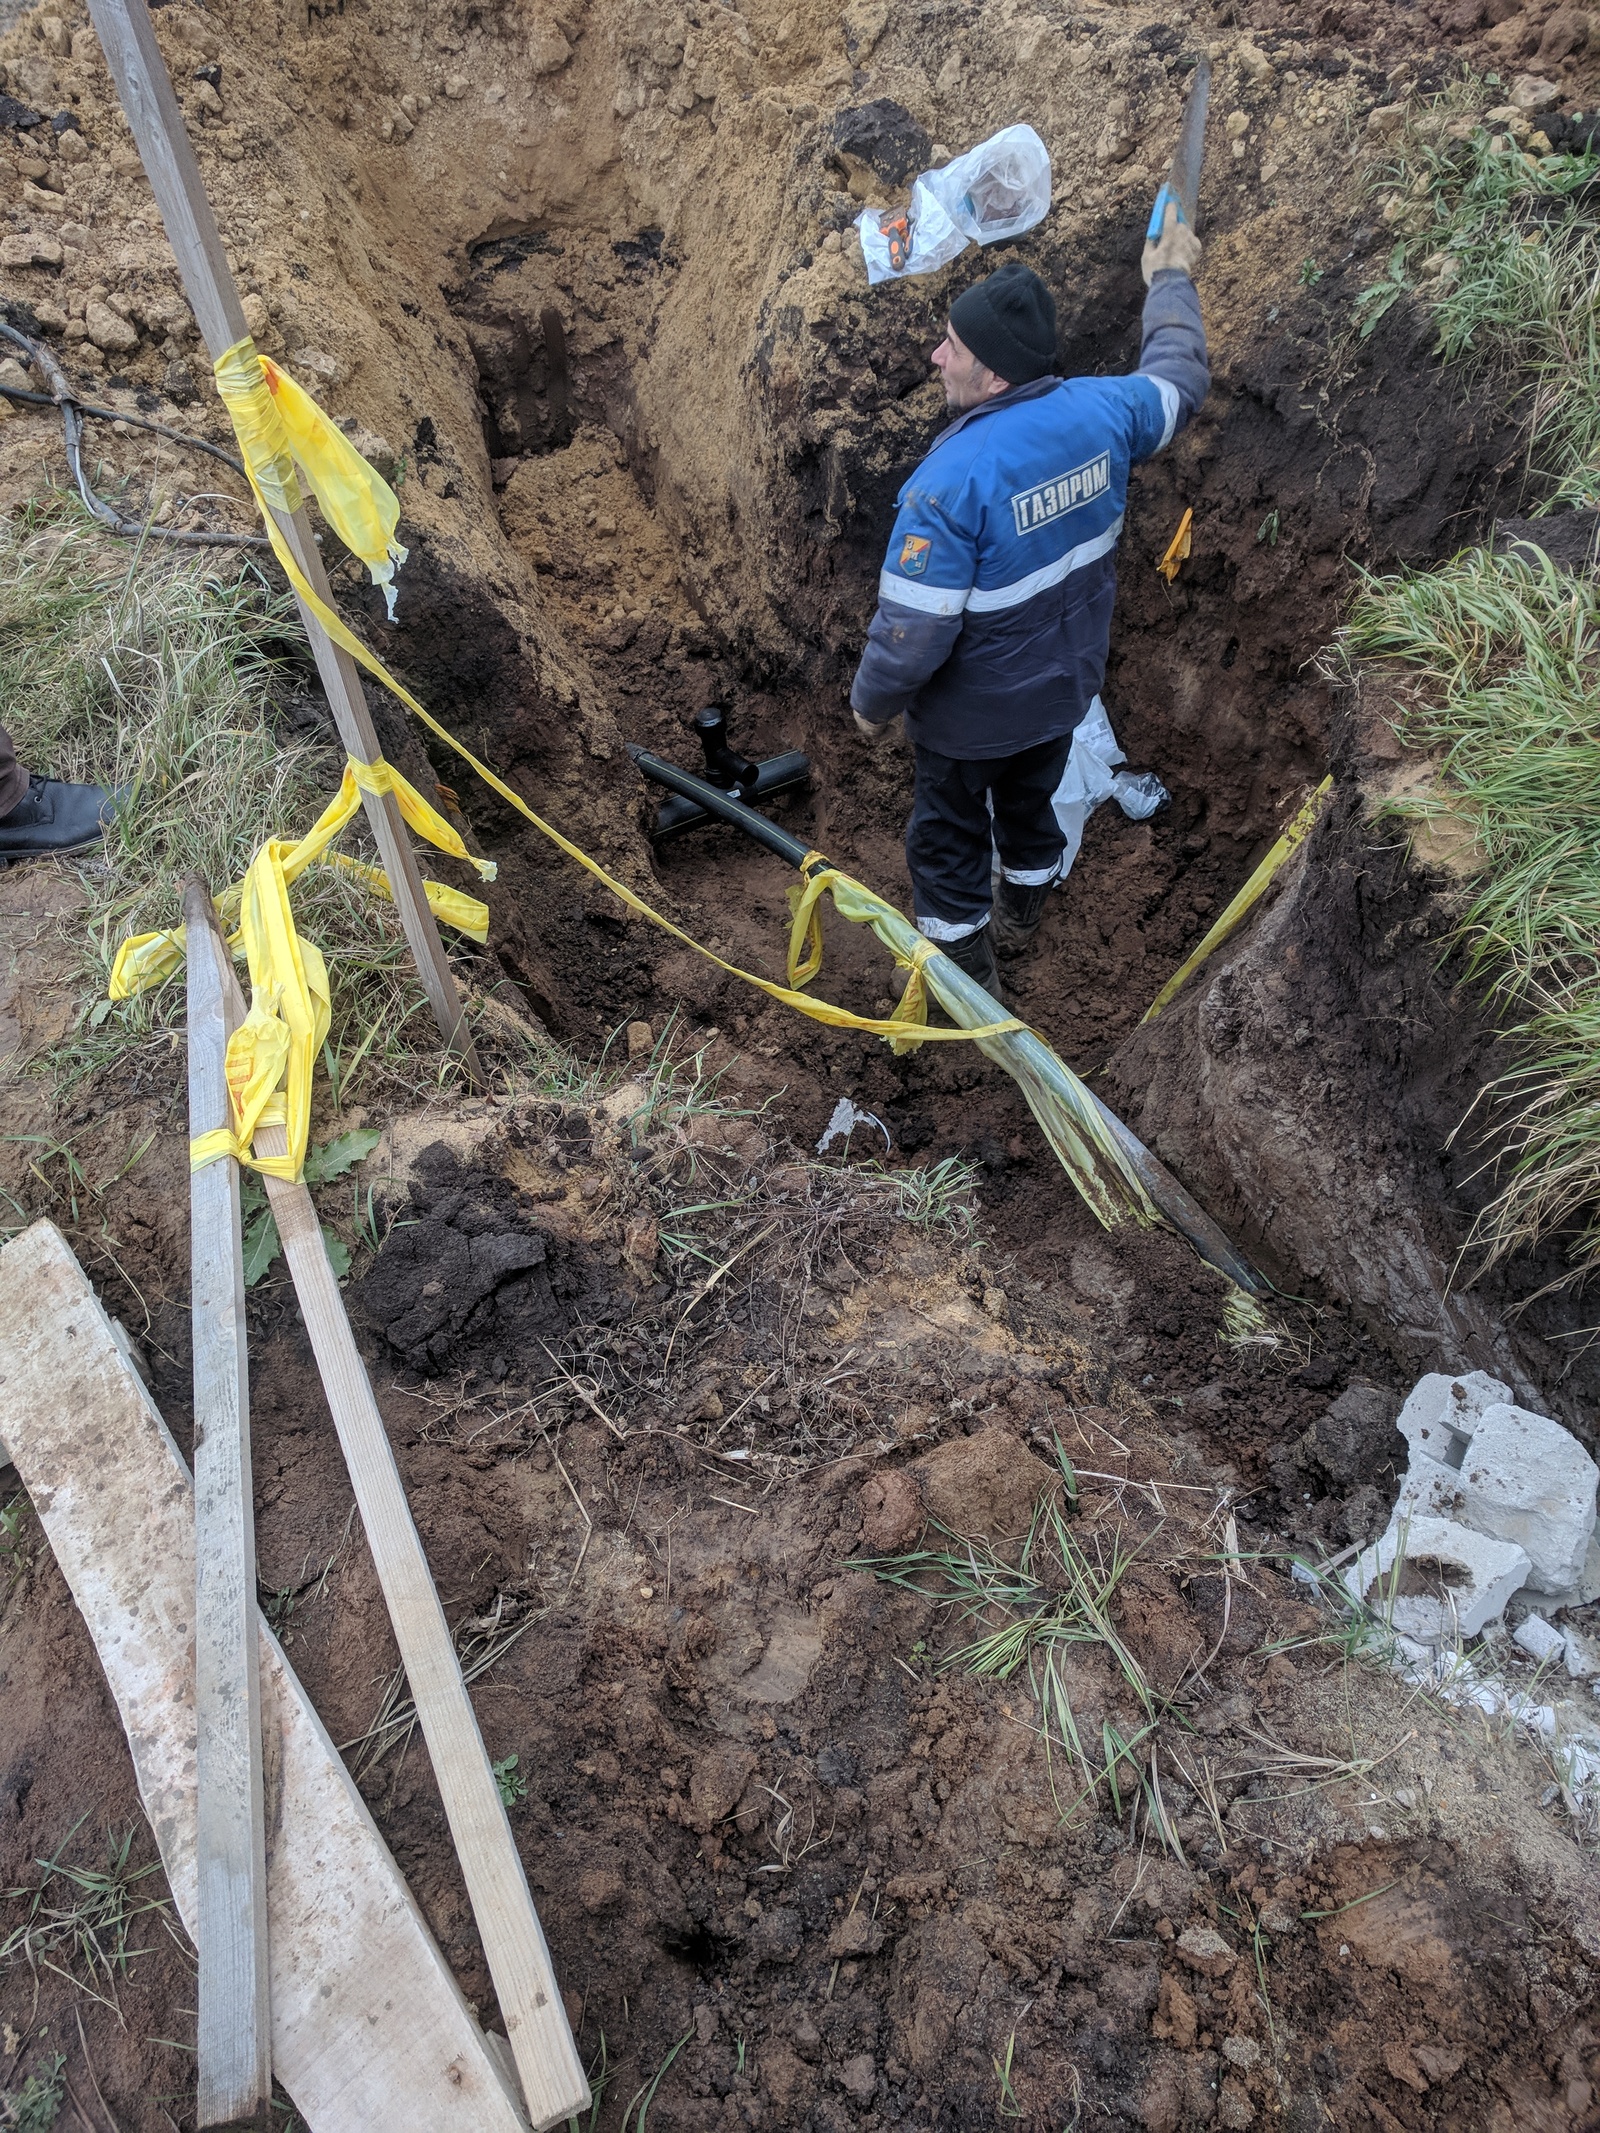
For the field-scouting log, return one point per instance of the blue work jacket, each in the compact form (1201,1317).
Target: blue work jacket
(994,602)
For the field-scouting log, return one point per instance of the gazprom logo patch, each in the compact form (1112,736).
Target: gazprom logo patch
(1050,499)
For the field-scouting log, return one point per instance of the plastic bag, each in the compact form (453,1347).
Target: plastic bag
(1092,776)
(998,189)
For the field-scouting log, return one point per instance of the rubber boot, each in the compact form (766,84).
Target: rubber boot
(52,819)
(1017,913)
(974,954)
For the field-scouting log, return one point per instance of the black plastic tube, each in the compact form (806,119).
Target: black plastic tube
(717,802)
(779,773)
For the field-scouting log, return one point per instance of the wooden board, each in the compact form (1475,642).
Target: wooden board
(554,2085)
(128,39)
(234,2039)
(369,2028)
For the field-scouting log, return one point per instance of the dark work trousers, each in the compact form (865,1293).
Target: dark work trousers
(13,778)
(951,836)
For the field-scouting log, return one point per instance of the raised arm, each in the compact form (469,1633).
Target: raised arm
(1173,350)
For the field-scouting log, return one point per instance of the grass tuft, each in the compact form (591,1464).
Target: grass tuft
(1505,249)
(1491,660)
(1059,1594)
(77,1919)
(1498,678)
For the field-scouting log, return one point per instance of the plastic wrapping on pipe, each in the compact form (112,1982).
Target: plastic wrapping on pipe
(1115,1174)
(1069,1117)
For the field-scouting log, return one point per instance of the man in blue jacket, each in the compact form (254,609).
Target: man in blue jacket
(994,603)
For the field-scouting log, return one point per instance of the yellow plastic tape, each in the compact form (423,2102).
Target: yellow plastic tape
(148,959)
(855,901)
(281,430)
(271,1054)
(818,1010)
(1235,913)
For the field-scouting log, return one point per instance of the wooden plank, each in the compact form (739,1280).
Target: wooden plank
(127,37)
(234,2038)
(554,2085)
(369,2029)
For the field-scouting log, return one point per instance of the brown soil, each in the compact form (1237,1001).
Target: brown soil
(758,1815)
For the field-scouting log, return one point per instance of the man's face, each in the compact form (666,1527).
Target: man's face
(966,380)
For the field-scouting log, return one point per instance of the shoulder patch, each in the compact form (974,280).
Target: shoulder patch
(914,555)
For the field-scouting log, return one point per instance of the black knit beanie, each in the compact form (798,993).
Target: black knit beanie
(1008,320)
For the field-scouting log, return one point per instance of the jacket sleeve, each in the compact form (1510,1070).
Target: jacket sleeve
(905,648)
(923,589)
(1172,356)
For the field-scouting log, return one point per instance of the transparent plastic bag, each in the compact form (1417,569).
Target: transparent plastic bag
(1139,796)
(998,189)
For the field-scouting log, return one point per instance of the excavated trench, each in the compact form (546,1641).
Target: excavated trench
(1306,1085)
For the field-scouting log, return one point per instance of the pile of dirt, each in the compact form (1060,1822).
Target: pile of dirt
(760,1817)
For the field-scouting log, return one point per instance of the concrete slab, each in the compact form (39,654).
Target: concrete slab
(1449,1582)
(1442,1412)
(1526,1479)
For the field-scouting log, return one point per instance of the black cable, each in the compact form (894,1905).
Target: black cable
(72,409)
(138,422)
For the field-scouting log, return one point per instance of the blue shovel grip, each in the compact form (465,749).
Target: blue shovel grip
(1159,211)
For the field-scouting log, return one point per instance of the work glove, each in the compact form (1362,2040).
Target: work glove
(1177,246)
(875,735)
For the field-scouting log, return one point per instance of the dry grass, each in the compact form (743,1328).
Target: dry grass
(166,677)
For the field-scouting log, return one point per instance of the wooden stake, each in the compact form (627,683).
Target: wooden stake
(554,2085)
(127,37)
(234,2041)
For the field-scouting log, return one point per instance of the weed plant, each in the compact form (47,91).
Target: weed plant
(36,2106)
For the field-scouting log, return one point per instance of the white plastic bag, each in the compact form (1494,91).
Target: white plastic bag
(998,189)
(1092,776)
(1088,779)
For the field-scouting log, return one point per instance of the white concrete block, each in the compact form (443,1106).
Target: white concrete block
(1540,1641)
(1582,1655)
(1451,1581)
(1429,1489)
(1587,1588)
(1528,1480)
(1442,1412)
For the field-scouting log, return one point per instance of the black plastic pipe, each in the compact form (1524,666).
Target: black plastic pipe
(717,802)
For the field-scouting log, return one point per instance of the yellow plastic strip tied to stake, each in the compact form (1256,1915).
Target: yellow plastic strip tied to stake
(1235,913)
(282,432)
(265,454)
(270,1055)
